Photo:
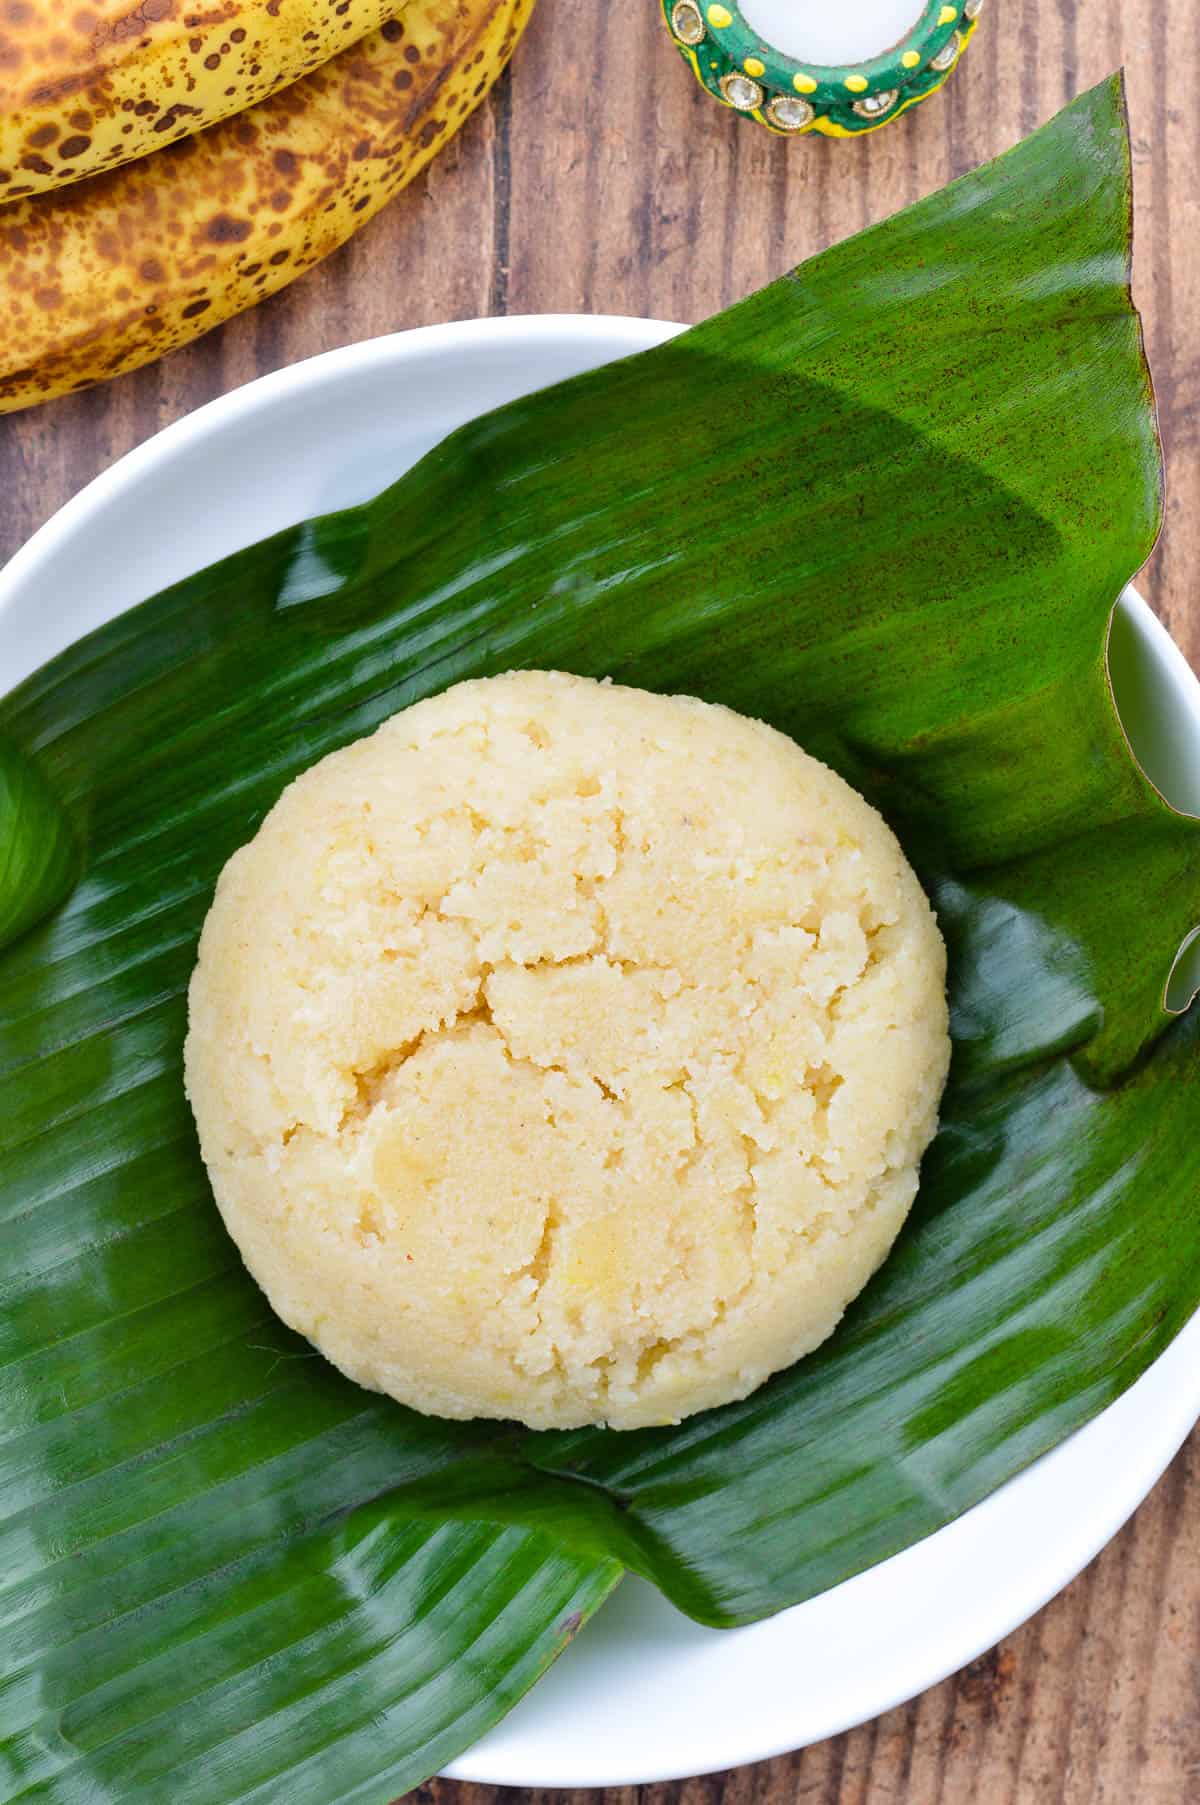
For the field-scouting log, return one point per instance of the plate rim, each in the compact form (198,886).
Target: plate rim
(224,411)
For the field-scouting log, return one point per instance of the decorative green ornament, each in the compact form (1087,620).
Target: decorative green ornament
(790,97)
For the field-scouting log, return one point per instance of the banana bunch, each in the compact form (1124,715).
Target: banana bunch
(110,256)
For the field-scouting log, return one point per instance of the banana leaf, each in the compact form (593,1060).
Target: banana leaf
(886,504)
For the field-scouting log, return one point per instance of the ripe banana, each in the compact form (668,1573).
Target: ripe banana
(84,88)
(122,268)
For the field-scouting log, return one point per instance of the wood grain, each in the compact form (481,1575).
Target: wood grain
(599,179)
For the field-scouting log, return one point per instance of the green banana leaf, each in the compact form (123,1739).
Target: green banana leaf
(886,504)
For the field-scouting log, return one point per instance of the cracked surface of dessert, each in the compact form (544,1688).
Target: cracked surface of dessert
(566,1052)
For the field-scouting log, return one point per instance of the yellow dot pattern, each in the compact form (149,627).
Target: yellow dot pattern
(719,17)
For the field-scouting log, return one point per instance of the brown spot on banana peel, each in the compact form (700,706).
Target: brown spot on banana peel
(90,241)
(129,68)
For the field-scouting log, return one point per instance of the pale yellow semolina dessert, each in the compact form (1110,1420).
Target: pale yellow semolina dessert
(567,1053)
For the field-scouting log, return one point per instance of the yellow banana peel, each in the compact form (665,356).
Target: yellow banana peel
(88,87)
(112,273)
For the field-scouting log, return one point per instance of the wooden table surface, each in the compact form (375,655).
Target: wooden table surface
(598,179)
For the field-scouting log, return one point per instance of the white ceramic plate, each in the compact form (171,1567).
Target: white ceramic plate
(643,1694)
